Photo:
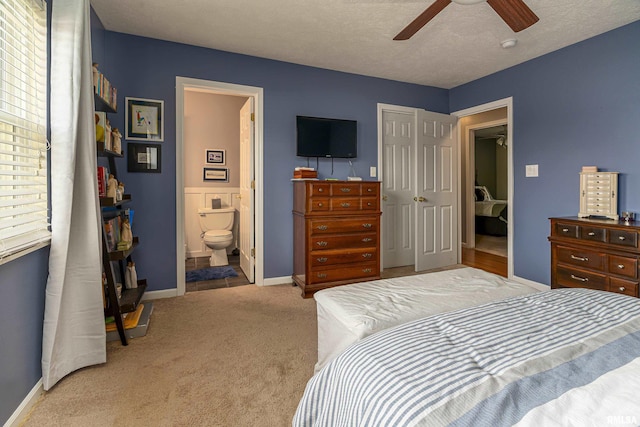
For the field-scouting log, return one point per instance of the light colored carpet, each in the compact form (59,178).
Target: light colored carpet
(225,357)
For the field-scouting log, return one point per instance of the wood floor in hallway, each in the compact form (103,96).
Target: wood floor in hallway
(485,261)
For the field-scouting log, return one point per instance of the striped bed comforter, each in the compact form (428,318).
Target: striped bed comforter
(561,357)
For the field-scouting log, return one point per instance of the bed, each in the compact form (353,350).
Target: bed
(558,357)
(490,214)
(346,314)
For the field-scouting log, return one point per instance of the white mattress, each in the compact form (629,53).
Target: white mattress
(346,314)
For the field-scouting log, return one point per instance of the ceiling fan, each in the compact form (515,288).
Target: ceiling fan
(515,13)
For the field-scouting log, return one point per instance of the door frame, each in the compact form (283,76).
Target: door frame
(500,103)
(209,86)
(469,170)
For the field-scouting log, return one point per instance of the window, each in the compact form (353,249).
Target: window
(23,140)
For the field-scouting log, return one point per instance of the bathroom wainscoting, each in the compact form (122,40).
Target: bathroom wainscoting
(200,197)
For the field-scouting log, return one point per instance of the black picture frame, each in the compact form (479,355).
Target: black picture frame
(144,157)
(144,119)
(215,174)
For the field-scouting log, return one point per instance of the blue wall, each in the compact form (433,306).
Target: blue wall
(22,287)
(147,68)
(573,107)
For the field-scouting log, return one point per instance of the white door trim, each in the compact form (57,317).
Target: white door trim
(257,93)
(500,103)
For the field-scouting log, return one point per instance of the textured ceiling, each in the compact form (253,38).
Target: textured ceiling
(459,45)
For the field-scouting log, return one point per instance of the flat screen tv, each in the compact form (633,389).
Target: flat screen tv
(322,137)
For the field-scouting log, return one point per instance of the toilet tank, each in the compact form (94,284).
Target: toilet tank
(216,219)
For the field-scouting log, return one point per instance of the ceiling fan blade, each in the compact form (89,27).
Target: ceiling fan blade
(515,13)
(422,19)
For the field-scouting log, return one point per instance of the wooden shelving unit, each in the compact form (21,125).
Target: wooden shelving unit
(114,262)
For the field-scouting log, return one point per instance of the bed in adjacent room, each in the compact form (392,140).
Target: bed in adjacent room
(346,314)
(553,358)
(490,214)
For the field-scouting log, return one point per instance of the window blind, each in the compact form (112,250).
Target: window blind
(24,218)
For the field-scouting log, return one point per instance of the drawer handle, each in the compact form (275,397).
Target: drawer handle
(591,233)
(367,255)
(322,259)
(579,258)
(322,275)
(345,189)
(621,237)
(369,204)
(322,243)
(369,190)
(621,288)
(565,230)
(367,225)
(319,205)
(366,270)
(582,279)
(367,239)
(621,266)
(322,227)
(345,204)
(320,190)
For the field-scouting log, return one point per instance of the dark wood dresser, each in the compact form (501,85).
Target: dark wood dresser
(336,233)
(595,253)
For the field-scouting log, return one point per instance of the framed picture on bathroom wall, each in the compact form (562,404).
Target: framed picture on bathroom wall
(216,157)
(216,174)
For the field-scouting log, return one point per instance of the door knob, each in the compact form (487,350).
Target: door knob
(384,198)
(419,199)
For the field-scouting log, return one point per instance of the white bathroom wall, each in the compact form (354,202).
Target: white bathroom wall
(200,197)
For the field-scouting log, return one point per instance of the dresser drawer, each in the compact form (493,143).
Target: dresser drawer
(363,240)
(581,258)
(566,230)
(345,189)
(595,234)
(318,204)
(369,189)
(369,203)
(333,226)
(623,266)
(341,256)
(320,189)
(575,278)
(336,274)
(623,238)
(623,287)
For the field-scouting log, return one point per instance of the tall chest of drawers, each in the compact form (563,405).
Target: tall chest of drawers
(336,233)
(595,253)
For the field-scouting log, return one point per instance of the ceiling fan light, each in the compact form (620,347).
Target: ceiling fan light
(468,1)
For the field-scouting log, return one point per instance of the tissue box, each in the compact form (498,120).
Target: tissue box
(216,204)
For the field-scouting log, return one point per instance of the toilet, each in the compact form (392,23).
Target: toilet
(216,225)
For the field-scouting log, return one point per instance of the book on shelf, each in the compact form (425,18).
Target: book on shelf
(103,175)
(112,231)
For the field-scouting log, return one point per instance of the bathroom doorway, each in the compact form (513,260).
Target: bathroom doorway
(210,170)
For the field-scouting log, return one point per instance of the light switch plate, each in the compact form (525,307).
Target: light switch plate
(372,171)
(531,171)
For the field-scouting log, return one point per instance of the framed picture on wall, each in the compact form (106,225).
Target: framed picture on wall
(216,157)
(216,174)
(145,119)
(143,158)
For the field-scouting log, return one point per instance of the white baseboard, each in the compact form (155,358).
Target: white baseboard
(535,285)
(271,281)
(165,293)
(22,411)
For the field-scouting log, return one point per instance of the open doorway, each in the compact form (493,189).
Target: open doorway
(249,212)
(486,186)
